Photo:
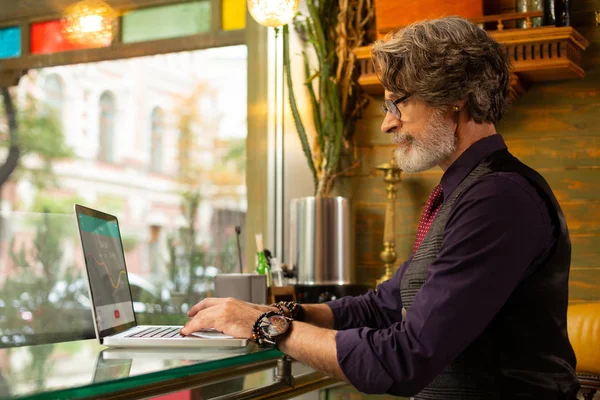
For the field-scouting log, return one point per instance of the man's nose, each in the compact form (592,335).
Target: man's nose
(390,123)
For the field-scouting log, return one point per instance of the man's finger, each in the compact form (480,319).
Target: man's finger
(195,324)
(203,305)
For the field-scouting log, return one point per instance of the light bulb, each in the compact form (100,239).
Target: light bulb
(273,13)
(90,22)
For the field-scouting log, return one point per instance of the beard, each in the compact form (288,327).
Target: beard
(436,144)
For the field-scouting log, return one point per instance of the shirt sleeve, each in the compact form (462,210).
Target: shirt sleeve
(497,229)
(375,309)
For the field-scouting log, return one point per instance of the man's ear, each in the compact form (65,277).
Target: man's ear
(459,104)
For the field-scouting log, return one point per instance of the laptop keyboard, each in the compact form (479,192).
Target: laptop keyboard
(158,332)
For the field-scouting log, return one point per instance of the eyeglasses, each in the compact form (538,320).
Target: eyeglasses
(391,106)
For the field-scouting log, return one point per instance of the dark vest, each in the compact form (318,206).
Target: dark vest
(524,353)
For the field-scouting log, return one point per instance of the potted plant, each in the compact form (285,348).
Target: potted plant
(320,225)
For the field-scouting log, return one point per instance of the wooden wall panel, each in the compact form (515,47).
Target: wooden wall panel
(391,14)
(584,285)
(554,128)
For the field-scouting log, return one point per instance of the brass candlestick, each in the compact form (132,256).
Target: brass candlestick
(388,254)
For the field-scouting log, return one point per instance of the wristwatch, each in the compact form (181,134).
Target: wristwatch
(269,328)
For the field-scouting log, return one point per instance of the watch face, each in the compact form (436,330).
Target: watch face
(275,325)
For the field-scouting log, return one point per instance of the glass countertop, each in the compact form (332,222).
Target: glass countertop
(85,368)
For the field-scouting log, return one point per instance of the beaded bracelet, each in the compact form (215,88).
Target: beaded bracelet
(279,307)
(257,334)
(296,310)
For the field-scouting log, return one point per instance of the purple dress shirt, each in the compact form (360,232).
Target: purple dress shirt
(498,230)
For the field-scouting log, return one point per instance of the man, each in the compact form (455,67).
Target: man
(479,309)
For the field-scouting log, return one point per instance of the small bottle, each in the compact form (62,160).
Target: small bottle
(549,18)
(262,267)
(276,272)
(562,12)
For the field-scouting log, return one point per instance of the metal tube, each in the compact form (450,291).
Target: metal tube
(284,371)
(321,240)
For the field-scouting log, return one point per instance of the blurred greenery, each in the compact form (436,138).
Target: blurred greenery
(35,307)
(44,203)
(165,318)
(237,154)
(185,255)
(42,302)
(193,119)
(129,242)
(230,260)
(40,139)
(113,203)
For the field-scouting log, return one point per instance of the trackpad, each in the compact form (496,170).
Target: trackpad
(211,335)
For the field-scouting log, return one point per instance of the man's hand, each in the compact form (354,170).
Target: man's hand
(230,316)
(306,343)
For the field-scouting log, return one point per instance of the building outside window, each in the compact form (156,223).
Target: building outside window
(54,95)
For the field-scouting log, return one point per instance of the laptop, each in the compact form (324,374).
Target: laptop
(110,293)
(171,353)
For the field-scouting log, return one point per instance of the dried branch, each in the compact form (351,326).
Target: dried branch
(334,28)
(294,106)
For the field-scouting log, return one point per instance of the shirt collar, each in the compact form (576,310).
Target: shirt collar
(468,160)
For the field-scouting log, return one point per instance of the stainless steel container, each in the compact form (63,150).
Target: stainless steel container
(321,240)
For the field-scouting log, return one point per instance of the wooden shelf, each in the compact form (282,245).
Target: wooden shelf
(537,54)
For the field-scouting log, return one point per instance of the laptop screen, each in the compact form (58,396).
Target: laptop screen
(107,275)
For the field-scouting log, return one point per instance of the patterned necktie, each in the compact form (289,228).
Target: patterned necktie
(434,202)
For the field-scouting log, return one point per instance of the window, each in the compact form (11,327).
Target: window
(177,228)
(156,140)
(107,127)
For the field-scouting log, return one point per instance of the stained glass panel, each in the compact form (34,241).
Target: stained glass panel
(10,42)
(166,22)
(47,37)
(233,14)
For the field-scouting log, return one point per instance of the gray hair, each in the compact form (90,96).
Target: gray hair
(444,60)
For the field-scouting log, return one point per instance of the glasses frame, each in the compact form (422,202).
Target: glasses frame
(392,106)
